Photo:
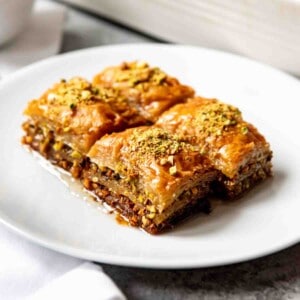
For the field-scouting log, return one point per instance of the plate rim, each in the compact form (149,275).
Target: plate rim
(136,262)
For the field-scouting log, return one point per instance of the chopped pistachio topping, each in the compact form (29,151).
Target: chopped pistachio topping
(217,117)
(136,73)
(72,105)
(110,95)
(244,130)
(151,208)
(75,154)
(151,216)
(71,92)
(158,143)
(57,146)
(173,170)
(78,90)
(145,221)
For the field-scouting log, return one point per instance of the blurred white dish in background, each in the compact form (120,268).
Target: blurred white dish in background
(266,30)
(38,41)
(14,15)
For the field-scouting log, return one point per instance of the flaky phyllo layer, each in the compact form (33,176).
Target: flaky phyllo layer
(141,142)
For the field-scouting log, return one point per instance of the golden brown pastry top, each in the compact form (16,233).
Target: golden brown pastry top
(219,131)
(158,163)
(76,111)
(148,88)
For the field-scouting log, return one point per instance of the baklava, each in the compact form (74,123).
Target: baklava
(151,177)
(234,147)
(147,88)
(66,121)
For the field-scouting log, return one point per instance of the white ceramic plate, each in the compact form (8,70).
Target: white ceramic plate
(37,205)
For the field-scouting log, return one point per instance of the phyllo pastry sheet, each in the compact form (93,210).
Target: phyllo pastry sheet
(234,147)
(149,175)
(149,89)
(74,112)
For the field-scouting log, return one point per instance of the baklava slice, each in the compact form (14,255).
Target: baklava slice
(149,89)
(151,177)
(234,147)
(66,120)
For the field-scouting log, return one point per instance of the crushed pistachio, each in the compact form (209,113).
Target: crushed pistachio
(95,90)
(173,170)
(151,208)
(78,90)
(158,76)
(214,118)
(138,73)
(57,146)
(156,142)
(151,216)
(109,94)
(70,92)
(72,106)
(145,221)
(75,154)
(203,150)
(85,94)
(140,198)
(244,130)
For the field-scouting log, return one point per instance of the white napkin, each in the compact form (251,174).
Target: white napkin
(26,267)
(41,38)
(28,270)
(84,282)
(36,273)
